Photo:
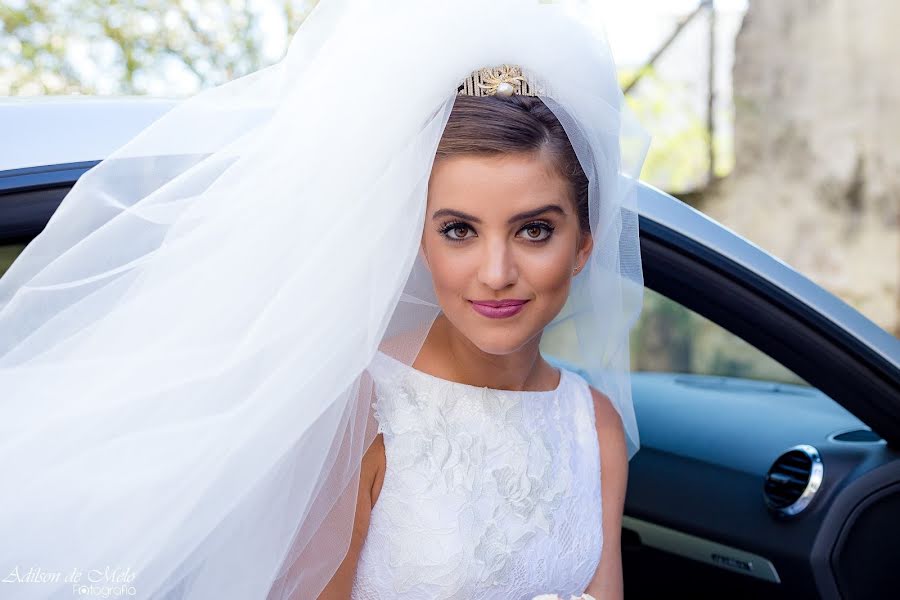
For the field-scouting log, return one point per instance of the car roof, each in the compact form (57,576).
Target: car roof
(54,130)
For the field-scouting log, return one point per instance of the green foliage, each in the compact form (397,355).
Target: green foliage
(130,46)
(678,159)
(8,254)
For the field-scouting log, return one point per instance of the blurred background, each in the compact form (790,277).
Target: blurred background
(774,117)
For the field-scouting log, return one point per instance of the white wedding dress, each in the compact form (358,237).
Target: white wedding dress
(487,494)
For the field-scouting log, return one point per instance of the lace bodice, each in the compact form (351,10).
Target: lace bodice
(487,494)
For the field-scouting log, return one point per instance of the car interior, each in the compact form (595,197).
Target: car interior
(761,472)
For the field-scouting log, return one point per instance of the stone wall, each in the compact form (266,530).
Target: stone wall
(817,125)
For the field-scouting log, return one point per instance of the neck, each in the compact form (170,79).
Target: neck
(448,354)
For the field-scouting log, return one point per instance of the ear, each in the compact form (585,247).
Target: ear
(584,250)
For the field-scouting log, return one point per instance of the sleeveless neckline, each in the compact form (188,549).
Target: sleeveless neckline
(486,494)
(466,386)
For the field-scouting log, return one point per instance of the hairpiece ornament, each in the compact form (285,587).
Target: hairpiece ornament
(504,80)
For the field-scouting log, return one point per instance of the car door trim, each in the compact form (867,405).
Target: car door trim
(702,550)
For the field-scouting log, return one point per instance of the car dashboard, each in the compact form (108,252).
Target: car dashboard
(713,493)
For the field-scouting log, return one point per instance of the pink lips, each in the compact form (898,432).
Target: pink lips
(498,309)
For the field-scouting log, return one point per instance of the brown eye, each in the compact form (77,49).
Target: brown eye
(455,232)
(533,232)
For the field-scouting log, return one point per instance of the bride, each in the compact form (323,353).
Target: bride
(507,228)
(352,326)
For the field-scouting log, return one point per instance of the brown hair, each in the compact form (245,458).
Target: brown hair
(498,125)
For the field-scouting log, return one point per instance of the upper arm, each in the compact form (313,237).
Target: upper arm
(371,476)
(607,581)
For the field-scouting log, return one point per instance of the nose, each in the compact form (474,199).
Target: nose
(497,268)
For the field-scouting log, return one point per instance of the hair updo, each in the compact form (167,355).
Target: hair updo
(489,125)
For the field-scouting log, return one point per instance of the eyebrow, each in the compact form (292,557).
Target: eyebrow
(449,212)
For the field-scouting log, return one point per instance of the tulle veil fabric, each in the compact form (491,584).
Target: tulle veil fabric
(183,349)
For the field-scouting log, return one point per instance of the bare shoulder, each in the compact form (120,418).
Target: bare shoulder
(372,472)
(607,580)
(371,475)
(606,415)
(610,433)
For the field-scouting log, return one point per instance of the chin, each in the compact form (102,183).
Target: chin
(496,347)
(500,341)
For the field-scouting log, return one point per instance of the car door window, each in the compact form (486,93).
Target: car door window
(673,339)
(8,253)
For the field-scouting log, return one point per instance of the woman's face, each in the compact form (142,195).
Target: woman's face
(501,228)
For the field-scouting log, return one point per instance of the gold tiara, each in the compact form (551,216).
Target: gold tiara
(504,80)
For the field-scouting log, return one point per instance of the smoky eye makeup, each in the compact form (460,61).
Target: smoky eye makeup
(545,227)
(450,230)
(446,228)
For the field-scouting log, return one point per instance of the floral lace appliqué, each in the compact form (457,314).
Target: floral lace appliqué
(479,498)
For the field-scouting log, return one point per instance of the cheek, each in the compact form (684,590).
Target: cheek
(451,270)
(548,271)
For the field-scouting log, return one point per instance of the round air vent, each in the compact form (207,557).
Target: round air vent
(793,480)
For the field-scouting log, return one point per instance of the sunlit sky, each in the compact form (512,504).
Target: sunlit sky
(636,27)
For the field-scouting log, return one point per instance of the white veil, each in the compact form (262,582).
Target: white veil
(183,348)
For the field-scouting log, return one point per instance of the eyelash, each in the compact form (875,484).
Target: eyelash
(446,227)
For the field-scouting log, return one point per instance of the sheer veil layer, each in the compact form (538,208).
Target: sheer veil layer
(183,349)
